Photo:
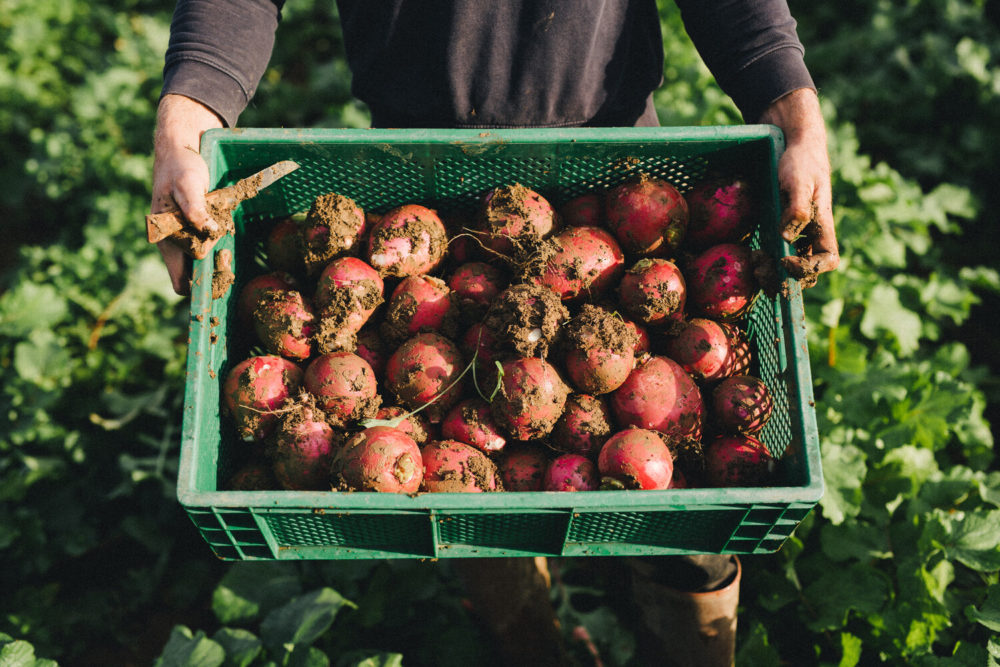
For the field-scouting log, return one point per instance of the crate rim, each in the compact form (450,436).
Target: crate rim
(212,139)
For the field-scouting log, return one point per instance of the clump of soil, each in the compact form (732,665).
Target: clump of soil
(331,227)
(508,203)
(526,318)
(281,315)
(339,320)
(597,327)
(223,276)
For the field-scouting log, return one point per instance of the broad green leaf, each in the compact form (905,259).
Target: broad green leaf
(831,312)
(303,619)
(850,647)
(363,658)
(836,593)
(949,490)
(964,654)
(989,613)
(185,649)
(854,539)
(885,312)
(974,58)
(242,646)
(31,307)
(989,489)
(973,539)
(250,589)
(937,579)
(43,360)
(844,470)
(18,653)
(757,650)
(914,624)
(307,656)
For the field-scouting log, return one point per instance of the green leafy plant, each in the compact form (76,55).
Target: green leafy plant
(898,564)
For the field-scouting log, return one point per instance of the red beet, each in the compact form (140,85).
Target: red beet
(586,210)
(741,404)
(587,263)
(531,398)
(659,395)
(371,348)
(739,349)
(654,292)
(408,240)
(332,227)
(600,350)
(477,283)
(282,246)
(720,211)
(571,472)
(419,303)
(455,467)
(636,459)
(737,460)
(422,368)
(414,425)
(349,277)
(642,344)
(255,288)
(703,348)
(648,216)
(721,283)
(344,386)
(254,475)
(513,215)
(584,426)
(254,390)
(380,459)
(522,466)
(303,449)
(479,340)
(470,421)
(284,322)
(525,319)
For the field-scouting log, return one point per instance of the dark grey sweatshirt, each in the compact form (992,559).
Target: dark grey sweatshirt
(495,63)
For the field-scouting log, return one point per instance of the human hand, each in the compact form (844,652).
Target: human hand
(180,176)
(804,181)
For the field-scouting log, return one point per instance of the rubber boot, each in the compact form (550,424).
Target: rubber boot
(686,629)
(510,596)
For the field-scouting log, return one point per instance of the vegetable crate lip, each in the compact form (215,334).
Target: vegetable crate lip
(449,170)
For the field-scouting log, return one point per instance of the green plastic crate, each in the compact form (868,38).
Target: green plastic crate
(448,170)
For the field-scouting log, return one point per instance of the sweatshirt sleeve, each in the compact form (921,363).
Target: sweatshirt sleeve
(751,47)
(218,52)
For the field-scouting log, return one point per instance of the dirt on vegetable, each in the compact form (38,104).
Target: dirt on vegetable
(526,319)
(331,227)
(337,328)
(597,327)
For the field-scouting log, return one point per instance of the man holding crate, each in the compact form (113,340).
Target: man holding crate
(543,63)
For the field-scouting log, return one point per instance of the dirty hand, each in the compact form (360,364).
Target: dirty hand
(180,175)
(804,181)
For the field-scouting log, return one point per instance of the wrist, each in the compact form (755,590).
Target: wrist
(180,122)
(799,116)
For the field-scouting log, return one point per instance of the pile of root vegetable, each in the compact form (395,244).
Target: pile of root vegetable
(520,348)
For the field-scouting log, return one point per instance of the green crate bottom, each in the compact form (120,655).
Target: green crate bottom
(309,533)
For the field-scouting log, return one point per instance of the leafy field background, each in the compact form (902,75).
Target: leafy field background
(98,564)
